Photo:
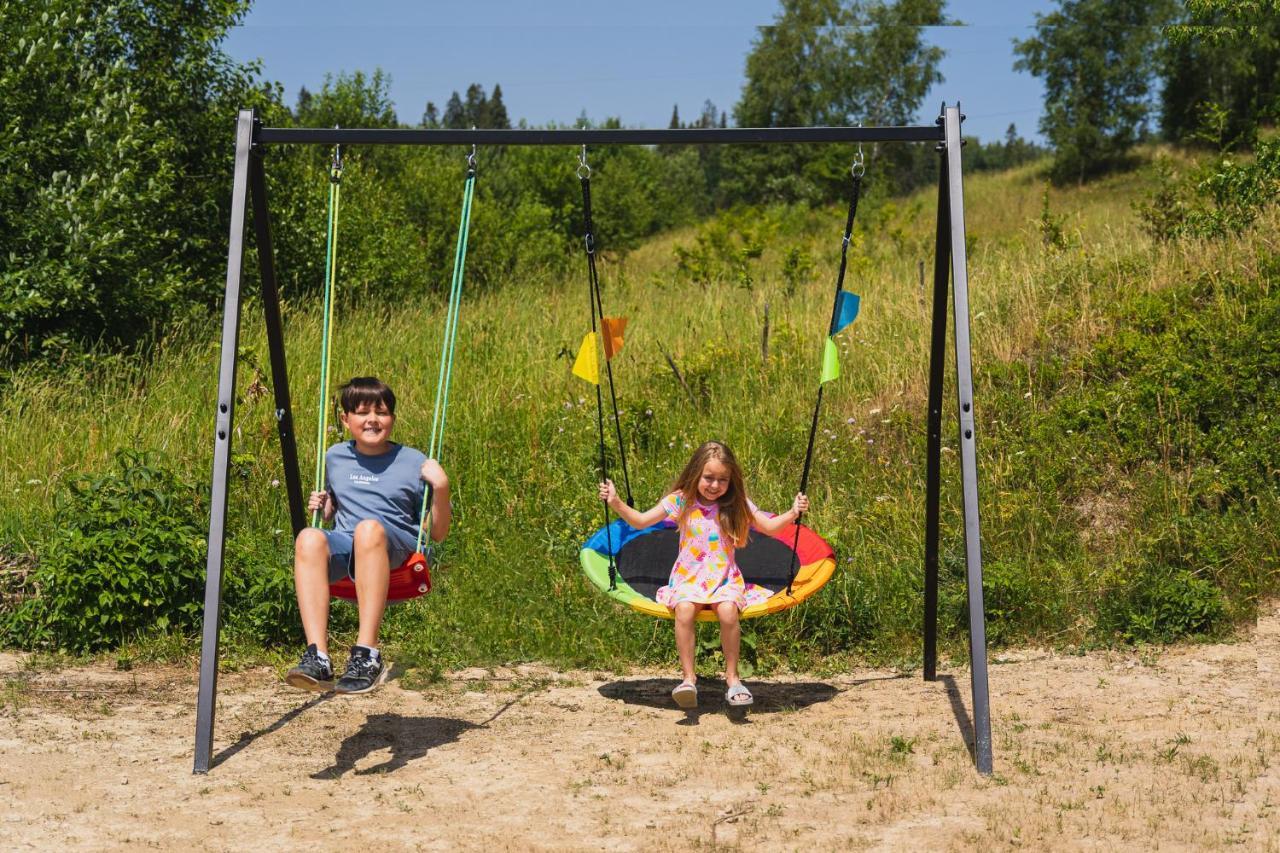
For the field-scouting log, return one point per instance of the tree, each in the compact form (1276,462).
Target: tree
(710,115)
(349,100)
(455,115)
(1096,60)
(478,110)
(475,107)
(498,118)
(1221,69)
(114,207)
(431,115)
(829,62)
(675,118)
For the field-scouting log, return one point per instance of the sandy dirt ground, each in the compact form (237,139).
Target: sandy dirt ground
(1168,749)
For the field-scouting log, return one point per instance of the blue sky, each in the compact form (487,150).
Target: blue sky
(558,58)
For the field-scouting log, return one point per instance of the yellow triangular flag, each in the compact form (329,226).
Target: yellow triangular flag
(587,364)
(611,329)
(830,364)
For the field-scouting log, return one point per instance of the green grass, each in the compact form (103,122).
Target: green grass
(1060,538)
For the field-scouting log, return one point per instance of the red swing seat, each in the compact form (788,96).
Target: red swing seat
(410,579)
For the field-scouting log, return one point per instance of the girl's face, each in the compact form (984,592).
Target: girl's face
(713,482)
(370,426)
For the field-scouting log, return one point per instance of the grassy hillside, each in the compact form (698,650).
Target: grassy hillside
(1126,397)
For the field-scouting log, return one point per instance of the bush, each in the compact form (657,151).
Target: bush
(1160,606)
(1219,200)
(128,556)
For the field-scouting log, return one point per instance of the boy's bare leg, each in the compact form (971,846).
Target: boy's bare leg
(311,582)
(685,612)
(373,575)
(730,639)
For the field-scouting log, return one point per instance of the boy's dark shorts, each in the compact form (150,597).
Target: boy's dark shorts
(342,562)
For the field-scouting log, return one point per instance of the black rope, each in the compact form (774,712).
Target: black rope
(831,327)
(598,309)
(596,306)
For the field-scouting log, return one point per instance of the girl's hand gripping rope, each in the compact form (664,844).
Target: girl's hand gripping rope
(608,493)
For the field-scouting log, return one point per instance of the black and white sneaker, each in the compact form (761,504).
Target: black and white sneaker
(312,672)
(364,672)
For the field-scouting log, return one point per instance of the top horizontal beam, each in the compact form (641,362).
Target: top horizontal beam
(683,136)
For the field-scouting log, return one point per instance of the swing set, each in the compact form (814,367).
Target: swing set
(808,560)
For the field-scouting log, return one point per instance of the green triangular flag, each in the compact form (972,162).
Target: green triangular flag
(830,363)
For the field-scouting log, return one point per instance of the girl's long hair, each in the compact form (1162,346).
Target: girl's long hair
(735,515)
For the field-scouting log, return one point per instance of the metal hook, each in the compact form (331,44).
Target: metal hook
(471,159)
(859,168)
(584,171)
(335,166)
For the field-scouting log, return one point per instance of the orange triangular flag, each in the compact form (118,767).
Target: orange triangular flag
(611,329)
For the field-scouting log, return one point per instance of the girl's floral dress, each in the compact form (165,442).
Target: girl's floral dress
(705,571)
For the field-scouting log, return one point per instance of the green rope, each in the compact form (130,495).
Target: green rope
(448,344)
(326,336)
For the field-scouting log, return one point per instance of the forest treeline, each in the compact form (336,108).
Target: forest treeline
(118,119)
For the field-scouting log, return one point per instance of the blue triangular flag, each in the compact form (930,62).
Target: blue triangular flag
(846,310)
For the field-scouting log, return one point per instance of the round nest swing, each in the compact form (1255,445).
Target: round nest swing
(643,560)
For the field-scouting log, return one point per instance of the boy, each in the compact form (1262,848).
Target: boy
(375,493)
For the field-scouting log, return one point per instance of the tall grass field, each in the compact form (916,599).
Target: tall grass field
(1126,397)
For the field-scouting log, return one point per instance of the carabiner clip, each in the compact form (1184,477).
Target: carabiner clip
(335,164)
(859,168)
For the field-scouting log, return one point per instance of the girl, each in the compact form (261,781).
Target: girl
(710,507)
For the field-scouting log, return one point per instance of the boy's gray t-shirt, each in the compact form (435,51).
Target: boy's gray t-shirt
(388,488)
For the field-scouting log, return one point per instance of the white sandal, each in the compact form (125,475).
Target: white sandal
(738,696)
(686,695)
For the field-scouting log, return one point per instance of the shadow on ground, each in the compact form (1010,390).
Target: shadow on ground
(770,697)
(963,721)
(246,738)
(408,738)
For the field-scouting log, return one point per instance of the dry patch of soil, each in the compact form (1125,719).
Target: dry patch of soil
(1169,750)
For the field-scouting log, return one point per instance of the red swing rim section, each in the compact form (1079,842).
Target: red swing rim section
(408,580)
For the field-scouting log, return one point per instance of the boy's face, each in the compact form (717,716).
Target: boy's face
(370,425)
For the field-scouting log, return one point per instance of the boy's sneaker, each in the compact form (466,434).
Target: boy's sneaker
(364,672)
(312,672)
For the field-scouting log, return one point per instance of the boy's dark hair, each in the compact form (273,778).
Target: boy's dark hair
(362,390)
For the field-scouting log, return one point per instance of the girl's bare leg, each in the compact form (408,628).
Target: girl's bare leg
(685,613)
(730,639)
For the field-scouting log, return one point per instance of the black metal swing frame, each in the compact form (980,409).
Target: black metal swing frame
(950,266)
